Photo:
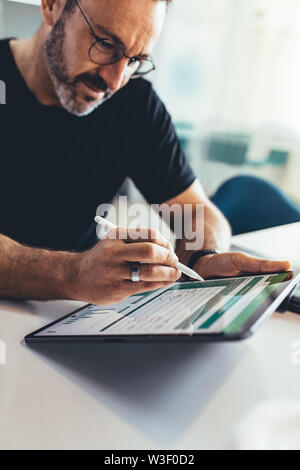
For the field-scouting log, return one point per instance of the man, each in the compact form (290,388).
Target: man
(75,124)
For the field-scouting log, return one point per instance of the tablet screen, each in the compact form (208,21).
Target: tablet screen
(193,308)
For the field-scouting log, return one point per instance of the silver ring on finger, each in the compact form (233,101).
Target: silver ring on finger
(135,272)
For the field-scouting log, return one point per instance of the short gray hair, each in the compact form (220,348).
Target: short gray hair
(71,4)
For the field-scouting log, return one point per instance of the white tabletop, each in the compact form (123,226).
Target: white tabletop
(122,396)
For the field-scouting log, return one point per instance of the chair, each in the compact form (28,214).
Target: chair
(251,203)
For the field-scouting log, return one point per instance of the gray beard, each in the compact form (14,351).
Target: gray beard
(64,88)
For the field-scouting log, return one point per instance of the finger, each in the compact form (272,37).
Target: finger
(217,265)
(136,235)
(152,273)
(234,264)
(149,253)
(249,264)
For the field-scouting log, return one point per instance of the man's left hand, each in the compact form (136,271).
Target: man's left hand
(235,264)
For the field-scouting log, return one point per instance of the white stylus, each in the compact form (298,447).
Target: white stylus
(106,226)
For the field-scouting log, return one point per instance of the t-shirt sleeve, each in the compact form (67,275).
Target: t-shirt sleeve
(158,166)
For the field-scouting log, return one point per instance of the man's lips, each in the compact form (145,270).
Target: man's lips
(95,90)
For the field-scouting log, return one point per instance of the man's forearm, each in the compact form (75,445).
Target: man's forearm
(217,231)
(32,273)
(217,234)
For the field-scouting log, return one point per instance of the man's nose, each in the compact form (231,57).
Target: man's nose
(114,74)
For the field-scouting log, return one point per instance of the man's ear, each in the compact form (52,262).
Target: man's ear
(51,10)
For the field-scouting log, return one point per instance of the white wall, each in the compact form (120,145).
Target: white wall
(232,63)
(17,19)
(1,17)
(193,57)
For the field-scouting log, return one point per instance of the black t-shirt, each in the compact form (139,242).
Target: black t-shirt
(57,168)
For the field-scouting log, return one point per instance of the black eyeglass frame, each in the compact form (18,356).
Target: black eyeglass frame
(122,49)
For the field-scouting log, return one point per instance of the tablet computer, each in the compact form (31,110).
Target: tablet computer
(220,309)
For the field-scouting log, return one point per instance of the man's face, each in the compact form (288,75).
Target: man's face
(80,84)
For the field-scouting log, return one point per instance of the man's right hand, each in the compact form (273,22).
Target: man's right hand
(102,275)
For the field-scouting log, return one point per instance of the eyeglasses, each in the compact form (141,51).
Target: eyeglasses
(104,51)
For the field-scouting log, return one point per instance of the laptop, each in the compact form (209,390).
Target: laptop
(225,309)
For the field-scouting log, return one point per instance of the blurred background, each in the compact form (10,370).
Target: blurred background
(229,73)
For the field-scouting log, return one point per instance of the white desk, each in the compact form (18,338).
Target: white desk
(137,396)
